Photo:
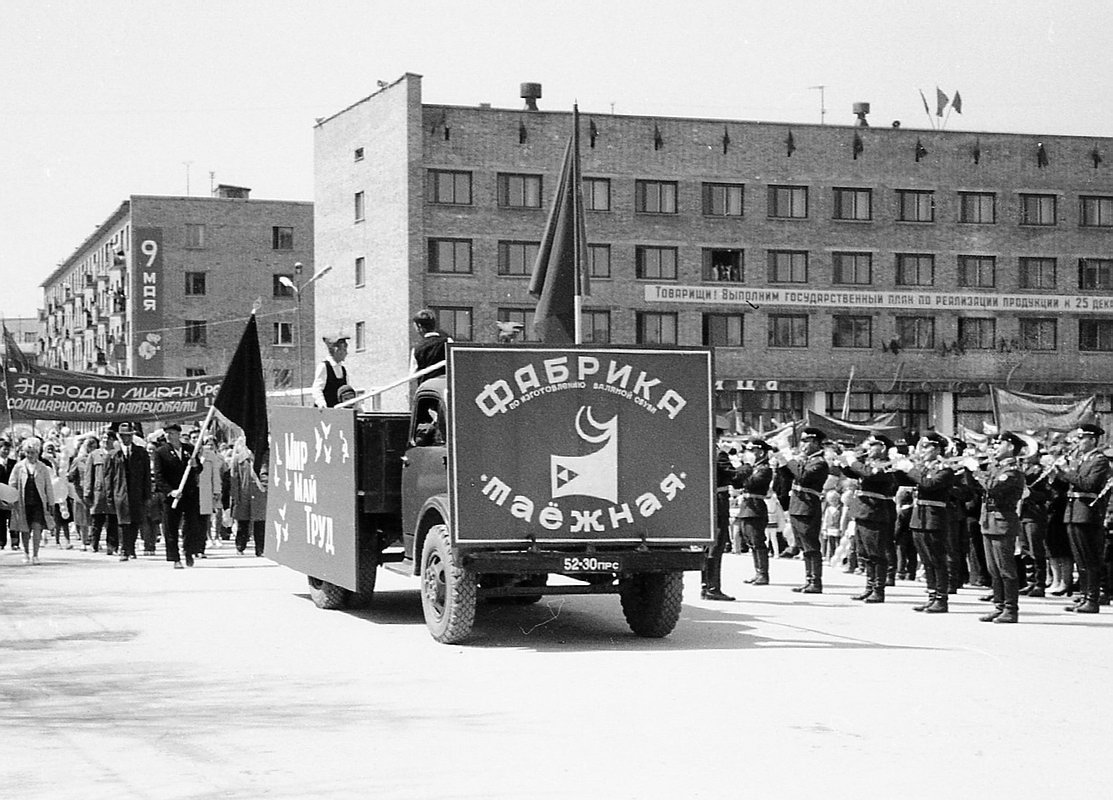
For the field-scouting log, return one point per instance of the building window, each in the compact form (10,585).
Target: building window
(361,336)
(977,271)
(854,204)
(911,407)
(852,331)
(723,265)
(454,321)
(448,187)
(915,269)
(655,197)
(196,331)
(519,317)
(517,258)
(723,199)
(977,333)
(195,372)
(852,268)
(597,327)
(450,255)
(359,154)
(1096,212)
(1095,335)
(361,271)
(788,266)
(723,330)
(655,327)
(195,236)
(1095,273)
(977,207)
(1037,209)
(655,263)
(761,409)
(282,237)
(1038,333)
(283,334)
(359,209)
(597,194)
(1037,273)
(788,202)
(280,288)
(599,260)
(916,333)
(195,284)
(915,205)
(519,191)
(788,330)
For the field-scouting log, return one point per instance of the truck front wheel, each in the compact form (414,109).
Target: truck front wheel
(651,602)
(327,595)
(448,589)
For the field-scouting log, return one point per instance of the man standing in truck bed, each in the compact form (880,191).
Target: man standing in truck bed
(430,350)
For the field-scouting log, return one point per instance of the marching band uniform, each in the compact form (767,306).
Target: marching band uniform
(1035,510)
(713,566)
(805,509)
(1003,488)
(1085,517)
(753,481)
(932,481)
(874,511)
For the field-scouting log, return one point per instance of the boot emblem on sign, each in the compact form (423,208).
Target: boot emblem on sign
(594,474)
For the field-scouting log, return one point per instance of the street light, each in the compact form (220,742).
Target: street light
(297,290)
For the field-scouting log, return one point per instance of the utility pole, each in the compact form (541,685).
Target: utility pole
(822,105)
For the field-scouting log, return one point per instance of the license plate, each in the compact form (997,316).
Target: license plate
(591,564)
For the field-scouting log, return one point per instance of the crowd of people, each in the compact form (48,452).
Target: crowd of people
(1020,517)
(109,491)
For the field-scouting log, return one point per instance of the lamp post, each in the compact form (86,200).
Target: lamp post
(297,290)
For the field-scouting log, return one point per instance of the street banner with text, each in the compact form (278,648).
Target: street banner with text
(71,396)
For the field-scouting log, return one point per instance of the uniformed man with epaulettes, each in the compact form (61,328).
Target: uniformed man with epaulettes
(1003,486)
(724,477)
(1086,475)
(1034,518)
(809,473)
(931,480)
(873,509)
(752,481)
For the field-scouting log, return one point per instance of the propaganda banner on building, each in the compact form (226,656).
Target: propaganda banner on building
(311,497)
(562,445)
(146,299)
(70,396)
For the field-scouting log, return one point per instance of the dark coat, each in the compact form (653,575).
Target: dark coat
(1003,487)
(1087,478)
(810,474)
(932,482)
(754,480)
(131,484)
(168,471)
(248,496)
(875,477)
(97,491)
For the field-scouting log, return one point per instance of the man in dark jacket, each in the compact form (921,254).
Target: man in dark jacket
(130,479)
(805,506)
(169,466)
(430,349)
(753,479)
(6,464)
(1086,474)
(873,509)
(724,478)
(931,480)
(1003,486)
(98,494)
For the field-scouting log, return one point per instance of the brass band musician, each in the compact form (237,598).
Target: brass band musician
(1086,475)
(753,479)
(1003,486)
(931,479)
(873,509)
(809,472)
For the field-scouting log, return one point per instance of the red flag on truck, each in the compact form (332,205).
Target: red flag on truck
(559,276)
(242,398)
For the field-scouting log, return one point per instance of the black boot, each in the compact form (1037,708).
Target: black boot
(871,578)
(762,560)
(816,586)
(757,566)
(938,605)
(809,576)
(924,606)
(714,574)
(878,593)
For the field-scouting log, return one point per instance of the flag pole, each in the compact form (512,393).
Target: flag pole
(577,216)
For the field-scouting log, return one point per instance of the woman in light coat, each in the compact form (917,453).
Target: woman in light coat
(32,510)
(249,499)
(208,484)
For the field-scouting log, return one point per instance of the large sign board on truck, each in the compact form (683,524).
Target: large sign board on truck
(594,444)
(311,500)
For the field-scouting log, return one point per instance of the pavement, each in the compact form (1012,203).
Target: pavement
(133,680)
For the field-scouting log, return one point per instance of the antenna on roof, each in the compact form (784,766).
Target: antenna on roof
(187,166)
(822,106)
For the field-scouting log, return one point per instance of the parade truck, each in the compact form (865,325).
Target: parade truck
(525,471)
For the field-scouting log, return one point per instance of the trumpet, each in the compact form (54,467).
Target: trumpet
(1055,463)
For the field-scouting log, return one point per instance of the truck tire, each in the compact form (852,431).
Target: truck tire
(448,589)
(651,602)
(365,580)
(327,595)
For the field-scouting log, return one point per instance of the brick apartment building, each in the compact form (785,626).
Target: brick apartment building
(164,285)
(933,263)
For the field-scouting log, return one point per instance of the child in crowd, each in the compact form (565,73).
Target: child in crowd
(832,525)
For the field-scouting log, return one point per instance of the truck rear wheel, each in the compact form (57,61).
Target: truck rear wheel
(651,602)
(327,595)
(448,589)
(368,571)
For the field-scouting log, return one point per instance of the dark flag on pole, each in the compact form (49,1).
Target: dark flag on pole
(559,279)
(242,398)
(14,358)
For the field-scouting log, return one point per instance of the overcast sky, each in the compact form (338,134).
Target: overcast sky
(101,100)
